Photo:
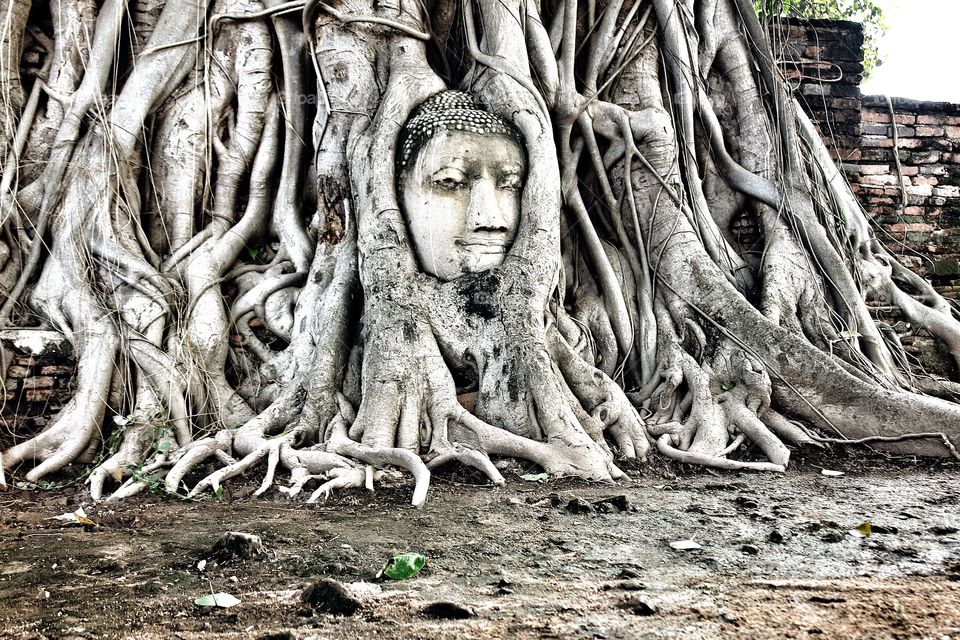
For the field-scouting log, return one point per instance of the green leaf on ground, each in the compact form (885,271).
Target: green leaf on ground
(224,600)
(403,566)
(864,530)
(535,477)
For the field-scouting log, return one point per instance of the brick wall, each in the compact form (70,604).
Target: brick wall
(38,380)
(918,219)
(922,220)
(823,61)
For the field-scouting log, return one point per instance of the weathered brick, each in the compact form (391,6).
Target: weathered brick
(56,370)
(873,128)
(947,192)
(873,169)
(875,116)
(910,143)
(37,395)
(816,89)
(875,155)
(882,142)
(920,190)
(38,382)
(17,371)
(925,157)
(879,179)
(911,262)
(929,132)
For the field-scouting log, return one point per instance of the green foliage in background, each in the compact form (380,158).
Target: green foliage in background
(866,11)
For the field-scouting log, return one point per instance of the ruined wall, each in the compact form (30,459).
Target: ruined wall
(916,205)
(823,61)
(39,370)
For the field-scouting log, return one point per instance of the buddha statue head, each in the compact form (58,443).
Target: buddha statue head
(460,173)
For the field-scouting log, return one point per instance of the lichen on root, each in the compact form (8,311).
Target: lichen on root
(241,293)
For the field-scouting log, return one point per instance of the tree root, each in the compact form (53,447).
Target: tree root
(637,324)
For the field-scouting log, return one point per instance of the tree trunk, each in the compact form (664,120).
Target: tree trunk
(237,289)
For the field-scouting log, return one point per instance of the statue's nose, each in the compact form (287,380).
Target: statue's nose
(484,210)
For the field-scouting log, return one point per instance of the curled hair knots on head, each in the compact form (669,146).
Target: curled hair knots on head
(448,111)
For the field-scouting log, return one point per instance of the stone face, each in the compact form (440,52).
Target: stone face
(460,180)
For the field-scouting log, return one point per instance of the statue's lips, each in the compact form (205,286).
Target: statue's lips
(483,246)
(497,245)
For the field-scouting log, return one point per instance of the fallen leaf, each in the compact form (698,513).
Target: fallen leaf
(403,566)
(76,517)
(831,473)
(224,600)
(685,545)
(863,531)
(535,477)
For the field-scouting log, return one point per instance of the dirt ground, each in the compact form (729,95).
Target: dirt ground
(779,559)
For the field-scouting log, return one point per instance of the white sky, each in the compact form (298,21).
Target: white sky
(921,51)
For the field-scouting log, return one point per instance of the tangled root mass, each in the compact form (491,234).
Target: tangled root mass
(200,196)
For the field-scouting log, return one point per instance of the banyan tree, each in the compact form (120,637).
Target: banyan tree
(315,241)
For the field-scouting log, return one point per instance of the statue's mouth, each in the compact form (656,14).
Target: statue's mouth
(483,246)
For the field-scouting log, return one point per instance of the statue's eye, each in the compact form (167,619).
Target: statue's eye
(450,179)
(510,182)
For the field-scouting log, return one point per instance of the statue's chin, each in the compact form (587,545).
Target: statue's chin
(483,260)
(466,261)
